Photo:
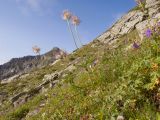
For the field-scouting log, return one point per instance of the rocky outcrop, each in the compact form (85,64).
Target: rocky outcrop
(17,66)
(135,19)
(23,97)
(49,80)
(126,24)
(153,7)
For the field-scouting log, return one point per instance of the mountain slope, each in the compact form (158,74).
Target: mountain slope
(116,75)
(18,66)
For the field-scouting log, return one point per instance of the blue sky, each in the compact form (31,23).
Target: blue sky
(25,23)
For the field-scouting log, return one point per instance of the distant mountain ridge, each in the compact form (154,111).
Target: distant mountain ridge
(27,63)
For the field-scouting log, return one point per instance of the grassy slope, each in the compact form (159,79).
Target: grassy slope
(123,82)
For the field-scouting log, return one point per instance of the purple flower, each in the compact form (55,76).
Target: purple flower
(148,33)
(135,45)
(158,24)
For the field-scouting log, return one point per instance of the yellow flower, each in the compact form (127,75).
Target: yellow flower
(154,66)
(157,81)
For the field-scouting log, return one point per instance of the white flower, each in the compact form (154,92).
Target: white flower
(120,117)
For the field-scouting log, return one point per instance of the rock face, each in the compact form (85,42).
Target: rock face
(153,7)
(135,19)
(23,97)
(17,66)
(126,24)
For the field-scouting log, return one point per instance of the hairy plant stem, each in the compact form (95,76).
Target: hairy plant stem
(70,29)
(75,27)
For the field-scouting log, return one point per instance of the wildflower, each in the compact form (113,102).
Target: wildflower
(148,33)
(133,104)
(36,50)
(95,62)
(120,117)
(154,66)
(135,45)
(67,16)
(76,21)
(157,81)
(140,3)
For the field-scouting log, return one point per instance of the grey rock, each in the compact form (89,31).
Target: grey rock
(53,83)
(32,113)
(153,7)
(6,81)
(152,3)
(134,19)
(126,24)
(70,68)
(16,97)
(141,27)
(20,101)
(44,90)
(51,77)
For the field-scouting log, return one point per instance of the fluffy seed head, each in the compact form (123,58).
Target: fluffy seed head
(66,15)
(36,49)
(75,20)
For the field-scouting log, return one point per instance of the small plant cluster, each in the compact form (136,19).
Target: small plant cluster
(69,18)
(141,4)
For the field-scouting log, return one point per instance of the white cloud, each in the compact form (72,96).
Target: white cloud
(38,6)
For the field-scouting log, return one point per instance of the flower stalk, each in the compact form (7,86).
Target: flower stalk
(76,21)
(70,29)
(67,17)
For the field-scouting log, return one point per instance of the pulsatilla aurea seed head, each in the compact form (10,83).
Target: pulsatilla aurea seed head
(36,49)
(66,15)
(75,20)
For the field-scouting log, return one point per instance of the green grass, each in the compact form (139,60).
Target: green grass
(122,82)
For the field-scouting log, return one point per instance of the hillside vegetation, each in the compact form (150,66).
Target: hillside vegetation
(122,82)
(115,77)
